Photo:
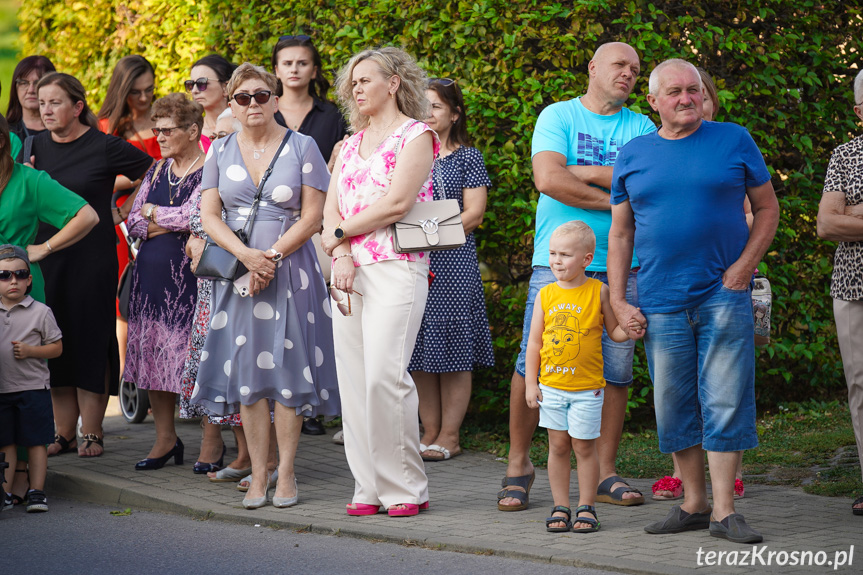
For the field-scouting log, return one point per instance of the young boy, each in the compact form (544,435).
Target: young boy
(564,372)
(28,336)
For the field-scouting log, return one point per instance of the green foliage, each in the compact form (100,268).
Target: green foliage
(784,70)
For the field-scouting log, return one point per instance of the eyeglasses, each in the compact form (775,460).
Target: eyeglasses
(338,296)
(22,275)
(200,83)
(261,97)
(219,135)
(445,82)
(168,131)
(300,37)
(22,83)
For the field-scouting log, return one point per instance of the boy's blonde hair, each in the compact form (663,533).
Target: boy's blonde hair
(578,230)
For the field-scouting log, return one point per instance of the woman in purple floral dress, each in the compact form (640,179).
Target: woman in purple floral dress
(162,299)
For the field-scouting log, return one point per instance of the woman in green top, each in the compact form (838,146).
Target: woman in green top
(27,197)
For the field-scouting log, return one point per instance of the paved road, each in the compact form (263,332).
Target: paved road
(84,538)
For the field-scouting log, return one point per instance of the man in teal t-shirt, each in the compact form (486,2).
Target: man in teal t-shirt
(575,144)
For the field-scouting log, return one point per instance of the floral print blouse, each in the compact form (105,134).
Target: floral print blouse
(362,182)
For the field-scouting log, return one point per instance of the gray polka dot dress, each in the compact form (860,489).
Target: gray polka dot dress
(277,345)
(455,335)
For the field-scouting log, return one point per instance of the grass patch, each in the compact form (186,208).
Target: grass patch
(800,445)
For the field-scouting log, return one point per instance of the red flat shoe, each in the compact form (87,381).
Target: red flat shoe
(362,509)
(738,489)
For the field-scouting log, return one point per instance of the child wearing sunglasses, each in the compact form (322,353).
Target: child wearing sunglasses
(29,337)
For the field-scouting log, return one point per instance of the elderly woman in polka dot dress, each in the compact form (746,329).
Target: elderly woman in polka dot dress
(272,350)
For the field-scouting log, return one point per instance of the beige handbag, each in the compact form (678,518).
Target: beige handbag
(429,226)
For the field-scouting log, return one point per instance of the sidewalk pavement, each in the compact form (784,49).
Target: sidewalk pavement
(463,515)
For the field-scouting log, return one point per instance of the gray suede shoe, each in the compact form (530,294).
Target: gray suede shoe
(735,529)
(673,523)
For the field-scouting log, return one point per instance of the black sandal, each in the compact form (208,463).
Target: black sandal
(594,523)
(64,444)
(92,438)
(857,510)
(567,523)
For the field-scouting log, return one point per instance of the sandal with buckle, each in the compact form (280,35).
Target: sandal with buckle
(64,444)
(594,523)
(567,524)
(517,488)
(90,439)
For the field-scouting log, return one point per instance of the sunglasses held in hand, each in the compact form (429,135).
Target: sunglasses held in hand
(338,295)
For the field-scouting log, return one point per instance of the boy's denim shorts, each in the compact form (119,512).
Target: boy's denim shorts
(702,363)
(577,412)
(616,356)
(26,418)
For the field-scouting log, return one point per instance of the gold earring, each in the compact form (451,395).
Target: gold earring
(392,95)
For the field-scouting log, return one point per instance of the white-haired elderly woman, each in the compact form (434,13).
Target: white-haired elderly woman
(272,350)
(840,219)
(382,170)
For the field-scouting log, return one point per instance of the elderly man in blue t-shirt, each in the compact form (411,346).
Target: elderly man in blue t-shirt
(575,144)
(677,199)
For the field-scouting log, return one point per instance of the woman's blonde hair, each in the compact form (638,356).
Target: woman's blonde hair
(410,95)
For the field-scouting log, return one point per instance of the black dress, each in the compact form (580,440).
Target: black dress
(324,123)
(81,280)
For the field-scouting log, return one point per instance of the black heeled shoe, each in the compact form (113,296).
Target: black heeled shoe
(159,462)
(202,468)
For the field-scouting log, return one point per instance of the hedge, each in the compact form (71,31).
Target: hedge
(784,70)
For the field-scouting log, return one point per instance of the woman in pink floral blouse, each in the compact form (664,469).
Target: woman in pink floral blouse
(383,169)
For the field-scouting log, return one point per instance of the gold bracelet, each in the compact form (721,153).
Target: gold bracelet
(347,255)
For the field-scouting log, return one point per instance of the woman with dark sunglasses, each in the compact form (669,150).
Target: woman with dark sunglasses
(76,154)
(302,92)
(272,345)
(162,297)
(454,337)
(209,87)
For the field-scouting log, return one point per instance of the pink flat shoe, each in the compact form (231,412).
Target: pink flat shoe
(362,509)
(409,510)
(668,483)
(738,489)
(424,506)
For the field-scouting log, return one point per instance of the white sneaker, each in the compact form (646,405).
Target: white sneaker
(339,437)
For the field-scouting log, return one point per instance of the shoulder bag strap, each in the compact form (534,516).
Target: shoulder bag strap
(247,229)
(27,150)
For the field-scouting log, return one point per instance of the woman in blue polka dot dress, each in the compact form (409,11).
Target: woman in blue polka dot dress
(272,350)
(454,337)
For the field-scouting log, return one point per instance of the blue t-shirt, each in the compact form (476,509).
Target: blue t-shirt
(586,139)
(687,198)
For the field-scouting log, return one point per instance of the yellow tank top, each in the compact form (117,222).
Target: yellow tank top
(571,355)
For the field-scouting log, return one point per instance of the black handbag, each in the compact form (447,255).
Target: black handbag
(216,262)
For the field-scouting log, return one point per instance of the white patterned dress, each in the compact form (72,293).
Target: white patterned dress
(277,345)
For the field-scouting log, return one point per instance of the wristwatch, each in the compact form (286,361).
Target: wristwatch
(149,214)
(339,232)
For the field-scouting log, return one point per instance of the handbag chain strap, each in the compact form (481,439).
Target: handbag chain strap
(247,229)
(435,167)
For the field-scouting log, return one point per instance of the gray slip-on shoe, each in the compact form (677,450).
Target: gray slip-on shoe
(735,529)
(673,523)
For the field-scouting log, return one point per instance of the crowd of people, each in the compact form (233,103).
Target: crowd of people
(641,233)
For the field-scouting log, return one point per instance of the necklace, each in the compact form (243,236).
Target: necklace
(171,183)
(384,131)
(258,154)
